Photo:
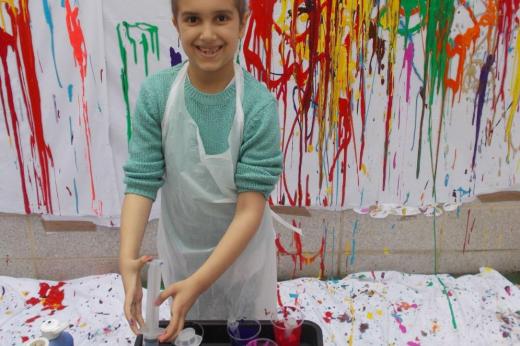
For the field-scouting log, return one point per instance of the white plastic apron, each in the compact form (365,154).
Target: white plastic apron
(198,203)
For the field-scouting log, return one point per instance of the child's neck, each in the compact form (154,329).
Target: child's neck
(211,83)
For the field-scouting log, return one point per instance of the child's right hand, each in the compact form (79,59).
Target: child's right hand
(131,273)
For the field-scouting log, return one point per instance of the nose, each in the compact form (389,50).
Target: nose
(207,32)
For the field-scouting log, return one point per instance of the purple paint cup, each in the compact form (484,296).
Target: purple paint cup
(243,331)
(262,342)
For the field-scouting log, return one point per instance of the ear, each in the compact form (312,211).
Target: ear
(174,22)
(243,23)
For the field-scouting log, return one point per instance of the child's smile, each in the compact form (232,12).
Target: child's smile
(209,52)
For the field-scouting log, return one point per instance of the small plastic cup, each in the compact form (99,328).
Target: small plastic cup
(262,342)
(287,325)
(191,335)
(242,331)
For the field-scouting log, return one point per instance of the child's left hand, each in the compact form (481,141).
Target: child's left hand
(185,293)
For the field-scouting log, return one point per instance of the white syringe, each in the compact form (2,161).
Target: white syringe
(152,330)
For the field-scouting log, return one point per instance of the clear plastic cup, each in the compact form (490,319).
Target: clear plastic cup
(262,342)
(287,325)
(242,331)
(191,335)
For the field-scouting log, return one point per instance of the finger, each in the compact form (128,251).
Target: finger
(129,314)
(132,323)
(170,330)
(144,259)
(169,291)
(138,314)
(179,329)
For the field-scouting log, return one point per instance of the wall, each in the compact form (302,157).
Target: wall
(482,233)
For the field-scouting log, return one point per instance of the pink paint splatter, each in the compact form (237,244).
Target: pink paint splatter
(408,62)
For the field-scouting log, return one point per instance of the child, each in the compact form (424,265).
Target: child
(207,132)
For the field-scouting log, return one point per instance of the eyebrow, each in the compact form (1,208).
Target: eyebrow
(219,12)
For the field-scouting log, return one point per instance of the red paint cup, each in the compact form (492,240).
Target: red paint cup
(287,325)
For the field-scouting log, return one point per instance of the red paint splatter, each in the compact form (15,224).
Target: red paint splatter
(25,339)
(469,230)
(32,319)
(298,254)
(50,297)
(300,131)
(33,301)
(327,316)
(77,41)
(405,306)
(18,40)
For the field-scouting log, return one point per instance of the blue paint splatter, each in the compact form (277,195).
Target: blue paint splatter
(76,196)
(407,197)
(71,132)
(353,251)
(48,18)
(446,179)
(462,192)
(70,89)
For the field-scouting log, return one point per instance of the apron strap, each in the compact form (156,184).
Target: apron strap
(284,223)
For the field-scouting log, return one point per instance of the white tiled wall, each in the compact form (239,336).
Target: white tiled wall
(331,247)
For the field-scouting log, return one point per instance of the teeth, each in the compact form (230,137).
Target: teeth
(209,51)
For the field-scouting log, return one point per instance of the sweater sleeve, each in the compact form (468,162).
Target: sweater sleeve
(260,162)
(144,168)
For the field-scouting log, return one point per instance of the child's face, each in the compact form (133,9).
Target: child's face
(209,31)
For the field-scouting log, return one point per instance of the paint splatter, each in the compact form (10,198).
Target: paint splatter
(36,172)
(144,36)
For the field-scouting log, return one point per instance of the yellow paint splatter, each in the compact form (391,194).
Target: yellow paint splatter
(310,148)
(487,270)
(329,190)
(2,19)
(348,249)
(370,316)
(386,251)
(515,95)
(379,312)
(364,169)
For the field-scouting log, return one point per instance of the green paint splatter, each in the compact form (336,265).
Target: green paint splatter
(440,14)
(148,36)
(445,291)
(408,7)
(440,19)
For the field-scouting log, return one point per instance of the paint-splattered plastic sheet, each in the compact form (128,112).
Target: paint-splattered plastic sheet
(376,308)
(392,308)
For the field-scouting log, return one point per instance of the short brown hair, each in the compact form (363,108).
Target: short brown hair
(242,7)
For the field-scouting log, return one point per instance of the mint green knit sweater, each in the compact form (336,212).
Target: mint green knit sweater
(260,159)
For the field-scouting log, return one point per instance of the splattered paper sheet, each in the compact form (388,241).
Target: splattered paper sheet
(377,308)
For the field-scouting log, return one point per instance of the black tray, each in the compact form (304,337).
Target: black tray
(215,333)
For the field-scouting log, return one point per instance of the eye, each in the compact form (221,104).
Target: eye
(221,18)
(191,19)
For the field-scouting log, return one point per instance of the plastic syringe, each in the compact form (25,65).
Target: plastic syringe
(152,330)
